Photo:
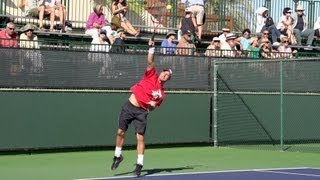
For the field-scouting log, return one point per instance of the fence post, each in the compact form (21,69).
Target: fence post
(215,107)
(222,10)
(281,105)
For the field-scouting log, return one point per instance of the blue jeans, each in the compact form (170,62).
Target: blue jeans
(306,33)
(275,33)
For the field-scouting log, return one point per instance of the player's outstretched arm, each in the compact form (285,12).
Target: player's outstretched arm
(150,59)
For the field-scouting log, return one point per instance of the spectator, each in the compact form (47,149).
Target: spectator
(30,7)
(264,36)
(185,45)
(120,8)
(214,48)
(285,25)
(119,43)
(284,50)
(28,39)
(54,8)
(167,45)
(8,36)
(262,14)
(45,11)
(244,39)
(229,47)
(197,8)
(275,33)
(275,49)
(317,28)
(300,25)
(265,50)
(96,22)
(188,23)
(253,49)
(101,44)
(222,37)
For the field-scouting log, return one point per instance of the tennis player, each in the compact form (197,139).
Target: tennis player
(146,96)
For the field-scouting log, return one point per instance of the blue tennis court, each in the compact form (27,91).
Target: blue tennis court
(261,174)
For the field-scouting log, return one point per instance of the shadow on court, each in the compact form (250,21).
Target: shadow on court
(146,172)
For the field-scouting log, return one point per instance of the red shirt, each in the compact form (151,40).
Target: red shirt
(149,89)
(4,39)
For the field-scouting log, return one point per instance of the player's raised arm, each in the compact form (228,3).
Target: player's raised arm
(150,59)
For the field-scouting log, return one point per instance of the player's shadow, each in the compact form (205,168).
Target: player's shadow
(146,172)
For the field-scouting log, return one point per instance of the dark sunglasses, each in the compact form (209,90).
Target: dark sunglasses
(265,33)
(10,28)
(285,41)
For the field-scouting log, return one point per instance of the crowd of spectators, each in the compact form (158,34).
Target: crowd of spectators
(280,40)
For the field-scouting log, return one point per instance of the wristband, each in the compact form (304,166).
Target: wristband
(151,50)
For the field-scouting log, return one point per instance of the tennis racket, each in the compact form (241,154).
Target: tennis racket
(158,16)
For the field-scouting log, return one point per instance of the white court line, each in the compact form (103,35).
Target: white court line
(191,173)
(290,173)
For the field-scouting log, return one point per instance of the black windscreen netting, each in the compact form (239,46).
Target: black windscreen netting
(70,69)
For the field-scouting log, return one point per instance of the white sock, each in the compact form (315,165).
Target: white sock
(117,152)
(140,159)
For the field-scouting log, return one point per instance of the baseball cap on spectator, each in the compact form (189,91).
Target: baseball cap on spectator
(171,33)
(103,31)
(216,39)
(188,10)
(225,29)
(300,8)
(230,36)
(186,32)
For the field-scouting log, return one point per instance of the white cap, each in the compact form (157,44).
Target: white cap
(188,10)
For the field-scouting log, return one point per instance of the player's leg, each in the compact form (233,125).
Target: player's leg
(125,118)
(140,124)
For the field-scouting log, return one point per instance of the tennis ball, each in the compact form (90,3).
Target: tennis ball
(169,7)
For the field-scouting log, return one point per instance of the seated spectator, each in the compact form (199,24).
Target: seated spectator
(300,25)
(285,25)
(27,38)
(214,48)
(188,23)
(275,49)
(317,28)
(275,33)
(265,50)
(222,37)
(265,36)
(118,45)
(185,45)
(229,47)
(253,49)
(100,43)
(262,14)
(30,7)
(52,8)
(8,36)
(120,8)
(96,22)
(244,39)
(284,50)
(167,45)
